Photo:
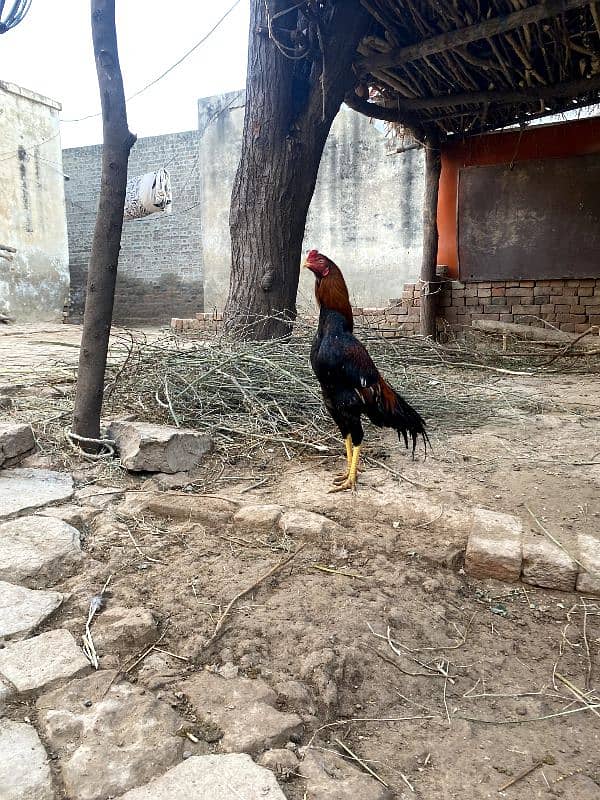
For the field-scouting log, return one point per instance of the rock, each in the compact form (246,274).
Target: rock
(12,389)
(284,763)
(494,549)
(16,441)
(38,550)
(158,670)
(71,514)
(298,523)
(24,770)
(222,777)
(243,709)
(297,695)
(22,610)
(258,517)
(42,661)
(109,736)
(330,777)
(21,489)
(121,629)
(547,565)
(98,497)
(6,692)
(6,403)
(144,447)
(207,510)
(588,580)
(163,482)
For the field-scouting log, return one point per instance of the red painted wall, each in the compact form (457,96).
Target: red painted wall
(581,137)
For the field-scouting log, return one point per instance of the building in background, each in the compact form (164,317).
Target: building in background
(34,279)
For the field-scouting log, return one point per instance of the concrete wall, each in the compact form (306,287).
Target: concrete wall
(34,285)
(365,213)
(160,264)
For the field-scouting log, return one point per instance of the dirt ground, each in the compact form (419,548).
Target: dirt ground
(463,696)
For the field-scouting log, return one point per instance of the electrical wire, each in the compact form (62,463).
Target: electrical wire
(16,14)
(169,69)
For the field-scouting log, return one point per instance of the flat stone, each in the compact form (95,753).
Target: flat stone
(109,736)
(221,777)
(495,548)
(546,565)
(296,523)
(42,661)
(24,770)
(36,550)
(144,447)
(119,629)
(98,497)
(207,510)
(330,777)
(22,610)
(588,580)
(16,441)
(243,709)
(258,517)
(21,489)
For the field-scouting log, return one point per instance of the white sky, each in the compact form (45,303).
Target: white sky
(50,52)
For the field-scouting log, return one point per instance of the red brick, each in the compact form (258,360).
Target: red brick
(587,282)
(512,284)
(570,290)
(542,299)
(548,308)
(540,290)
(527,283)
(542,283)
(457,301)
(498,301)
(581,327)
(519,291)
(564,318)
(471,301)
(585,291)
(568,327)
(572,282)
(556,298)
(498,291)
(577,309)
(561,308)
(484,292)
(594,319)
(506,318)
(483,284)
(592,301)
(471,291)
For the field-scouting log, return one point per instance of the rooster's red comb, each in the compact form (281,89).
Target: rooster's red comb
(312,254)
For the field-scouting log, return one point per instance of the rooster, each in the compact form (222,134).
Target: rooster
(350,381)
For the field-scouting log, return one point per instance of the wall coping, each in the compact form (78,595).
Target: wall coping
(12,88)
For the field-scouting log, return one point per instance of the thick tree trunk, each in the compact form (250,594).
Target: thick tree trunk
(102,273)
(430,284)
(290,106)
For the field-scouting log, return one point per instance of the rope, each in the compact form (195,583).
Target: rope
(107,444)
(16,14)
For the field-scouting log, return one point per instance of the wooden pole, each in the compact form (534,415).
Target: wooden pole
(102,271)
(429,284)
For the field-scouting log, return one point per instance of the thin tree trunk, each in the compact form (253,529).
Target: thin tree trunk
(290,106)
(102,272)
(430,285)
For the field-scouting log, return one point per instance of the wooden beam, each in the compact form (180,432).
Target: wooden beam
(471,33)
(430,285)
(570,89)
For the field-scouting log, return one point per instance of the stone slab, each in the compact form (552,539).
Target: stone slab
(331,777)
(243,709)
(144,447)
(219,777)
(110,736)
(588,580)
(24,770)
(38,549)
(547,565)
(22,609)
(22,489)
(42,661)
(300,523)
(495,546)
(16,441)
(258,517)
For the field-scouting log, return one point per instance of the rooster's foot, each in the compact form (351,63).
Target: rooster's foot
(347,483)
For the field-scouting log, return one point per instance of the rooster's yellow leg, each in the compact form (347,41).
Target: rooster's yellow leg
(350,482)
(344,476)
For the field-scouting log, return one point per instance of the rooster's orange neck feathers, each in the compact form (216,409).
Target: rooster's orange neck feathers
(332,293)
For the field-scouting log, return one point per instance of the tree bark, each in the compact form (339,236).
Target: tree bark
(106,243)
(290,106)
(429,283)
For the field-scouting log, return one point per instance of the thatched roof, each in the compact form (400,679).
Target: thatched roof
(462,67)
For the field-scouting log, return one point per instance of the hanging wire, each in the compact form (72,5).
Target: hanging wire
(16,14)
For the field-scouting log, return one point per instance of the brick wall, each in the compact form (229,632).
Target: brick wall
(160,263)
(569,305)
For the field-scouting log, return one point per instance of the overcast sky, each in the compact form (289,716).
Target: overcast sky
(50,52)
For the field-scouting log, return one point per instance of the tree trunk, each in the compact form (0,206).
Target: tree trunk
(430,285)
(290,106)
(102,272)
